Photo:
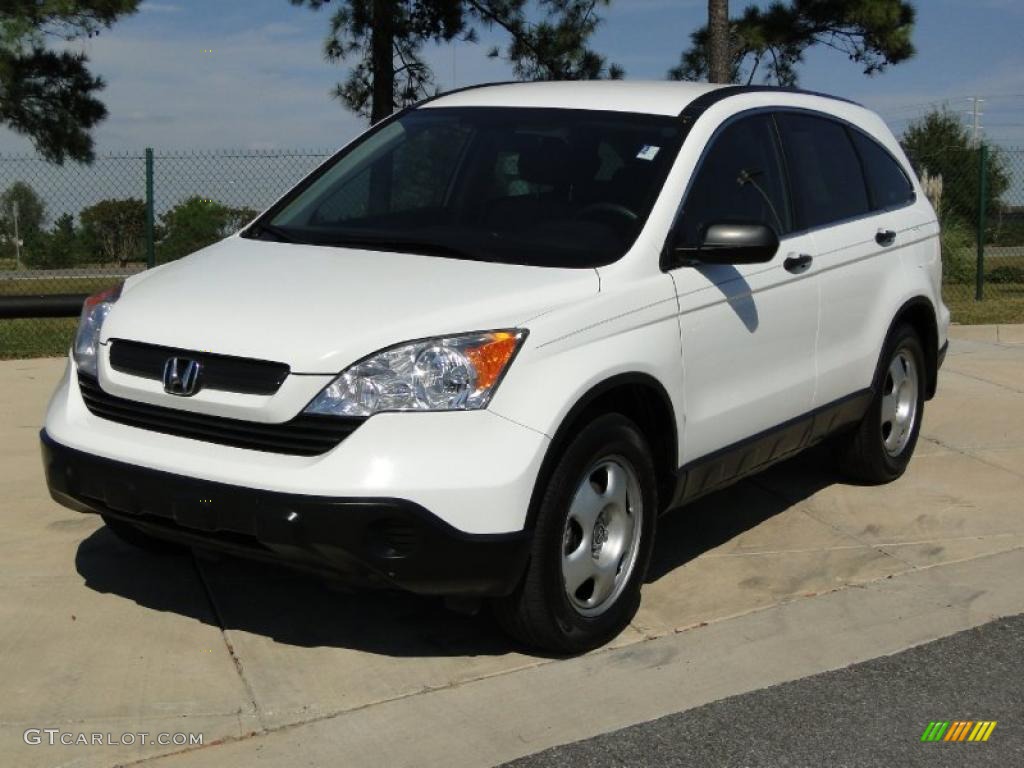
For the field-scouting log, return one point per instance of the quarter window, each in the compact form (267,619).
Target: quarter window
(825,172)
(740,179)
(888,185)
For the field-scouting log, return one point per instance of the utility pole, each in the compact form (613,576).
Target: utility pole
(719,60)
(976,119)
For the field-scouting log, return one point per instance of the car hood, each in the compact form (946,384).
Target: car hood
(319,309)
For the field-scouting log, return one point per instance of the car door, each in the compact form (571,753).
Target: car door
(748,331)
(857,231)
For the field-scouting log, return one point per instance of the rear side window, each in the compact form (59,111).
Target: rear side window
(740,179)
(888,185)
(825,172)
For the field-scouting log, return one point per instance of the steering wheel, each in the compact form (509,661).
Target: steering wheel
(621,210)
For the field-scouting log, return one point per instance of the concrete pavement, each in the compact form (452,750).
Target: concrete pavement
(867,715)
(788,574)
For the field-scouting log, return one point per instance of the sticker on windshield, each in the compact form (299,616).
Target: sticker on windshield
(647,152)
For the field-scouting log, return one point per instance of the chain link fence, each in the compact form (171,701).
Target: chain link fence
(978,195)
(76,229)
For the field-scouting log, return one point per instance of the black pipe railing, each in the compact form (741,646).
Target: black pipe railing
(52,305)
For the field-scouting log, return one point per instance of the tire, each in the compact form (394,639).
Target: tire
(879,449)
(605,481)
(131,535)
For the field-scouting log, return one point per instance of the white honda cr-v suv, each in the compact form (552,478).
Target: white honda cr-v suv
(479,351)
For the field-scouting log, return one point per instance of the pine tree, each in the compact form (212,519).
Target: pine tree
(719,64)
(47,95)
(383,40)
(772,41)
(554,48)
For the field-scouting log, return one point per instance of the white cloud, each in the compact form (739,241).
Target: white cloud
(161,8)
(911,99)
(266,87)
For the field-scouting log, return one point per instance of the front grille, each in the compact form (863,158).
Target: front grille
(228,374)
(305,435)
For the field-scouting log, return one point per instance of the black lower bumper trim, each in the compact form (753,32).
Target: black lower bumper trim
(371,541)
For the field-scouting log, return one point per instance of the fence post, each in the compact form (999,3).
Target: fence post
(150,249)
(979,282)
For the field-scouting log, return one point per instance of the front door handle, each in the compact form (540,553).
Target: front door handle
(885,237)
(797,263)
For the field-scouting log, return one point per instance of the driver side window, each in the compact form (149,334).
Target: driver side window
(739,180)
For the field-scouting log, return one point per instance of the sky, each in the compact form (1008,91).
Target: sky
(250,74)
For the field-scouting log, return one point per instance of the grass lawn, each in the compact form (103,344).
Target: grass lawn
(36,337)
(1003,303)
(47,286)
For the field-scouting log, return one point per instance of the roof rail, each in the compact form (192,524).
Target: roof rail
(705,101)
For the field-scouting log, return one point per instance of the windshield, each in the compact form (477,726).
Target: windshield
(542,187)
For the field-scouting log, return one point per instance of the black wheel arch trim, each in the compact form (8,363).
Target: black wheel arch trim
(564,432)
(933,356)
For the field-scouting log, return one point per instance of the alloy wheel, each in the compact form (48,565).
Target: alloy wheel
(601,537)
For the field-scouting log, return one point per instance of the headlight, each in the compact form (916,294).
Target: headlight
(453,373)
(87,340)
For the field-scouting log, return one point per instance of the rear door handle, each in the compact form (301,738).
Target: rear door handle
(885,237)
(797,263)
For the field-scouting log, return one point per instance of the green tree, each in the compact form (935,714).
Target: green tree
(384,38)
(48,95)
(940,144)
(113,230)
(196,223)
(57,248)
(62,244)
(22,211)
(872,33)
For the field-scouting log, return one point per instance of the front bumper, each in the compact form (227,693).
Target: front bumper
(474,470)
(367,541)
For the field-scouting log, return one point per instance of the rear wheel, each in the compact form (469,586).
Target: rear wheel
(592,542)
(880,448)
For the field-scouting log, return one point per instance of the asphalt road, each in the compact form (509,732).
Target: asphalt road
(869,714)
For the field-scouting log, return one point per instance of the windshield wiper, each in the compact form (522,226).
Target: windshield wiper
(270,229)
(403,245)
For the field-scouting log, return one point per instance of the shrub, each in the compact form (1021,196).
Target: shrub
(958,253)
(1006,274)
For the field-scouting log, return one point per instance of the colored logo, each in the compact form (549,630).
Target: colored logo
(958,730)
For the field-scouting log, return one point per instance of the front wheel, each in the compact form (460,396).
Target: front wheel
(592,542)
(879,450)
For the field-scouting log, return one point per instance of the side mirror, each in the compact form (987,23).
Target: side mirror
(732,244)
